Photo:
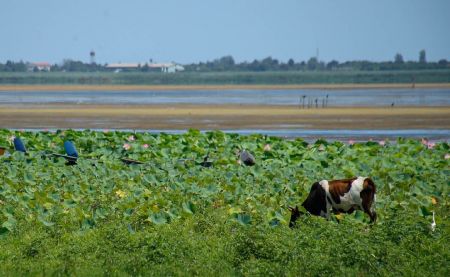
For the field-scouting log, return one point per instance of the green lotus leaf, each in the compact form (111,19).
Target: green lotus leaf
(243,219)
(189,207)
(10,223)
(158,218)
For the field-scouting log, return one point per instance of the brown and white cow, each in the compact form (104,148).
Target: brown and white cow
(346,195)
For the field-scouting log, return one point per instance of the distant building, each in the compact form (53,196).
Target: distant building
(166,67)
(39,66)
(117,67)
(155,67)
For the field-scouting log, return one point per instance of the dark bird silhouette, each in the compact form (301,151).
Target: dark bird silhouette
(247,158)
(205,162)
(19,146)
(130,161)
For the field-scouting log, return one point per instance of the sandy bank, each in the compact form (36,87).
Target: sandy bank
(220,117)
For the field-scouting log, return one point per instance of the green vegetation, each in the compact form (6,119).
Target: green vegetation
(171,216)
(226,78)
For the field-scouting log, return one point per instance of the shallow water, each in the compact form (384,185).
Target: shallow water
(312,135)
(336,98)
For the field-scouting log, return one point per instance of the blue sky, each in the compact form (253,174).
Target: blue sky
(198,30)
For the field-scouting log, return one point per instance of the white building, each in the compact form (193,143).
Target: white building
(166,67)
(161,67)
(40,66)
(117,67)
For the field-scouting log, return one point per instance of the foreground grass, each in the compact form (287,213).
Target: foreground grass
(173,217)
(210,244)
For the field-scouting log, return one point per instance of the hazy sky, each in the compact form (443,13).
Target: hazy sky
(198,30)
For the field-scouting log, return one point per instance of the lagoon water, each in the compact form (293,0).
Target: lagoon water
(336,98)
(310,135)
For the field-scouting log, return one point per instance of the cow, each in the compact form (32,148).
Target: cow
(340,196)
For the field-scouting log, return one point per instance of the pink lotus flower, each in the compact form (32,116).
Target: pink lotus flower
(424,141)
(351,142)
(267,147)
(131,138)
(145,146)
(447,156)
(382,142)
(431,145)
(126,146)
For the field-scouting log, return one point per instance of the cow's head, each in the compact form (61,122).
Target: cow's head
(295,214)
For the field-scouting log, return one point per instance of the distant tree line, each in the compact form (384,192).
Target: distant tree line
(227,63)
(67,65)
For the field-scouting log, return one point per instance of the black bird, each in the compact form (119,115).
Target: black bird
(205,162)
(247,158)
(130,161)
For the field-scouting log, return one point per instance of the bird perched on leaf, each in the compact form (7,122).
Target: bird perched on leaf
(71,151)
(206,162)
(19,146)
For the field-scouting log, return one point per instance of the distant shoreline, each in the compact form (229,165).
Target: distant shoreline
(55,88)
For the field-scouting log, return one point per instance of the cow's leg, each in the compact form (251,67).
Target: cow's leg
(368,197)
(315,203)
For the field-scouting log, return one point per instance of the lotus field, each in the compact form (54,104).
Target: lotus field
(170,215)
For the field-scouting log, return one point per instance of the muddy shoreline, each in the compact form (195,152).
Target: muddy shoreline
(184,116)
